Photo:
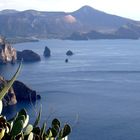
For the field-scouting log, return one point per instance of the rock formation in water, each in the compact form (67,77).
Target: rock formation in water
(18,92)
(47,52)
(24,93)
(66,60)
(69,53)
(28,56)
(10,97)
(7,52)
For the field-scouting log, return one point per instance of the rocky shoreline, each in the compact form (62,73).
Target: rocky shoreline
(7,52)
(16,40)
(18,92)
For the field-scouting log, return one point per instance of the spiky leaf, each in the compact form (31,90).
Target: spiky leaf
(8,85)
(38,117)
(43,129)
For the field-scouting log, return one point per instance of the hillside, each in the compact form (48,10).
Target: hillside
(97,20)
(31,23)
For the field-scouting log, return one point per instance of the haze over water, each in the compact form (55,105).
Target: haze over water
(97,91)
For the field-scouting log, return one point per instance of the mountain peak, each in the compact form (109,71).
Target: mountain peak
(87,10)
(86,7)
(58,24)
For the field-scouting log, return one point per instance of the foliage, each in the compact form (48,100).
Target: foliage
(18,128)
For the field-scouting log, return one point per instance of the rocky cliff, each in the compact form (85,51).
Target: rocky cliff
(7,52)
(18,92)
(24,93)
(10,97)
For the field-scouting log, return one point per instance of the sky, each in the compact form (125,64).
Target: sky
(124,8)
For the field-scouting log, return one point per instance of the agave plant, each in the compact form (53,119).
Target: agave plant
(18,128)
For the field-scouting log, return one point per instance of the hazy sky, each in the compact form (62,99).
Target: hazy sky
(125,8)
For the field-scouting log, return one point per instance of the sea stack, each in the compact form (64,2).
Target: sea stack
(66,60)
(47,52)
(69,53)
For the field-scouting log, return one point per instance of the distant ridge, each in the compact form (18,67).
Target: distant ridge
(32,23)
(8,11)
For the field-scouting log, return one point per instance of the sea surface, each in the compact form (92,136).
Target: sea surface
(97,92)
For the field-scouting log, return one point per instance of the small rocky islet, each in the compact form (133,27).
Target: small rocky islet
(28,56)
(69,53)
(47,52)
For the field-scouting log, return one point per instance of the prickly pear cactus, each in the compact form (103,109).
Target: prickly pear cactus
(14,129)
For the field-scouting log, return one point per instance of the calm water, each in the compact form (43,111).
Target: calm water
(97,92)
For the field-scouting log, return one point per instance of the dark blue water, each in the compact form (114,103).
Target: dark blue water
(97,92)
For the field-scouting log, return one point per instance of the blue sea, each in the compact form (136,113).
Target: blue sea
(97,92)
